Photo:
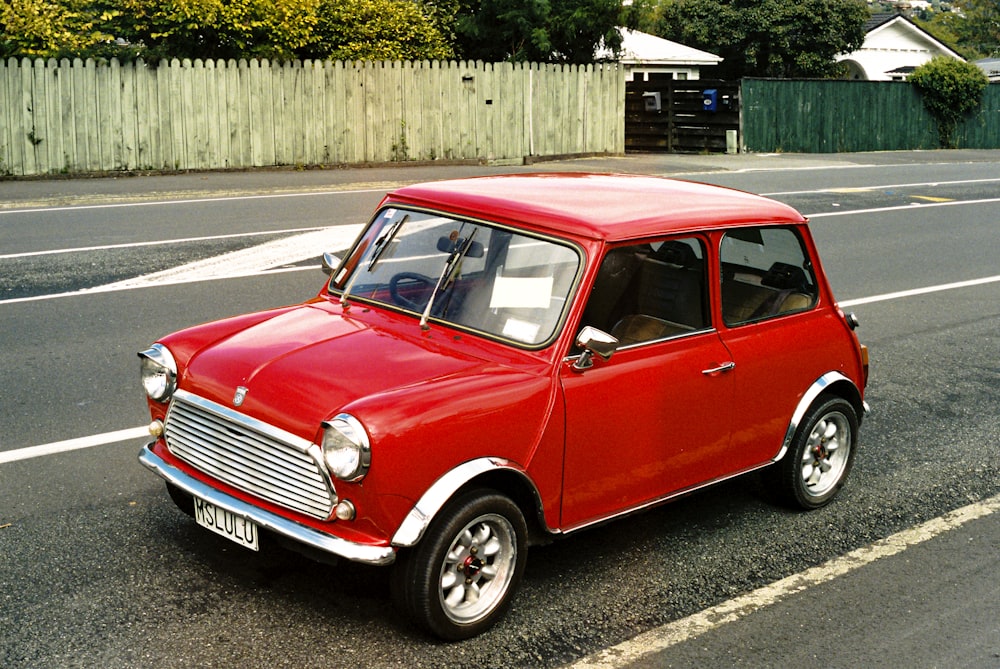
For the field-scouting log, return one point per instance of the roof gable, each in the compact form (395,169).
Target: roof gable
(640,48)
(895,31)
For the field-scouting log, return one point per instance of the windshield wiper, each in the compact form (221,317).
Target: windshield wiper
(448,273)
(384,240)
(379,248)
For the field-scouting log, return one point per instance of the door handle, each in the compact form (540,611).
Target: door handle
(725,367)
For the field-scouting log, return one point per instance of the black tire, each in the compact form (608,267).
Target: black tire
(460,579)
(820,456)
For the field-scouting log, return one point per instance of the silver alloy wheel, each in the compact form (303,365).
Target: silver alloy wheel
(478,569)
(827,451)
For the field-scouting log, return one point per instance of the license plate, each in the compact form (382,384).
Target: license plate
(233,527)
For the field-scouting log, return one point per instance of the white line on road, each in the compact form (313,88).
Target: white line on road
(881,187)
(273,256)
(199,200)
(912,205)
(661,638)
(277,253)
(159,242)
(73,444)
(920,291)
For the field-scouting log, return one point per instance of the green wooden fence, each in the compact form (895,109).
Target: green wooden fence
(89,117)
(842,116)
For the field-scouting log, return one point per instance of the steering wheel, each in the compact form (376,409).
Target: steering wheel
(425,282)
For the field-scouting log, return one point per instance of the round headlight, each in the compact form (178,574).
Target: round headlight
(346,448)
(158,372)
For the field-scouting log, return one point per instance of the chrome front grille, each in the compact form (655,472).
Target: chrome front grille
(248,454)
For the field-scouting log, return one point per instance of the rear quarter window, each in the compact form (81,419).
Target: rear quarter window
(766,273)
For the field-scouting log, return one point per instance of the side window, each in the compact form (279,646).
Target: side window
(652,291)
(765,273)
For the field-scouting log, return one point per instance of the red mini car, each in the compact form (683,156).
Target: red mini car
(500,360)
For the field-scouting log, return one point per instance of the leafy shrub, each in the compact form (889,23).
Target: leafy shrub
(951,90)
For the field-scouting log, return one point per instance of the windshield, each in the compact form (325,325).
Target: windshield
(469,274)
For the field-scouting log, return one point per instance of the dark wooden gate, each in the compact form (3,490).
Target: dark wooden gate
(680,116)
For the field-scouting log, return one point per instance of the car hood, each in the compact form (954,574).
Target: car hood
(304,365)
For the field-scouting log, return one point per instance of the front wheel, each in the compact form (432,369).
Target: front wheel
(460,579)
(820,457)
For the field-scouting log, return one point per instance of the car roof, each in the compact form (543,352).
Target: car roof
(609,207)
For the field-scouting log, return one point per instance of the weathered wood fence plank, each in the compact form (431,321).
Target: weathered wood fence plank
(84,116)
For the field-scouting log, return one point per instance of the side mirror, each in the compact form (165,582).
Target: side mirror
(330,263)
(594,342)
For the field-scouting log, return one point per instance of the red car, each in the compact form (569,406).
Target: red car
(501,360)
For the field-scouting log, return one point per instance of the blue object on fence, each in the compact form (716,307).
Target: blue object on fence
(710,99)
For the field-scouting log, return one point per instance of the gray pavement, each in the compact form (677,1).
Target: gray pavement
(940,598)
(128,187)
(935,604)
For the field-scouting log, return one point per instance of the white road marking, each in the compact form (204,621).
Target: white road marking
(73,444)
(920,291)
(868,189)
(196,200)
(159,242)
(270,257)
(661,638)
(264,257)
(922,205)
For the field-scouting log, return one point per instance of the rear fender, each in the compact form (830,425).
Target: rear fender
(821,385)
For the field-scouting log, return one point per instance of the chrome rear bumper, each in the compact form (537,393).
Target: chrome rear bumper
(374,555)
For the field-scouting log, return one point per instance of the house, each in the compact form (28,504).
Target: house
(894,45)
(991,67)
(643,55)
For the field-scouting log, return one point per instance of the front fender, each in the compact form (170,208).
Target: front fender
(420,516)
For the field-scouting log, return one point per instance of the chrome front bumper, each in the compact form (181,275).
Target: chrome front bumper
(374,555)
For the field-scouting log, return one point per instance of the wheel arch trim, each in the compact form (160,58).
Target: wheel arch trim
(819,386)
(430,503)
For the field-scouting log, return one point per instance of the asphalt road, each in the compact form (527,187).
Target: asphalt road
(98,569)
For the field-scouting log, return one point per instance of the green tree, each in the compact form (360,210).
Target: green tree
(951,90)
(980,28)
(376,30)
(973,32)
(562,31)
(945,27)
(275,29)
(218,28)
(48,29)
(768,38)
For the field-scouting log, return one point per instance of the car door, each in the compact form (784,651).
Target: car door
(655,418)
(775,333)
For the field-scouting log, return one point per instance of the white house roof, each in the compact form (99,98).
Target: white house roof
(645,49)
(991,66)
(893,43)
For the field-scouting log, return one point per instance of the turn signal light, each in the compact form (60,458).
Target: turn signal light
(864,361)
(345,510)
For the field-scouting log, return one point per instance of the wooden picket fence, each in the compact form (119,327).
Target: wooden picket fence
(75,117)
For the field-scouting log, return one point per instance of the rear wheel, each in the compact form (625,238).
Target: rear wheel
(820,457)
(460,579)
